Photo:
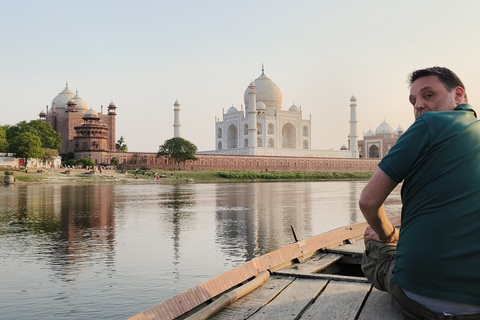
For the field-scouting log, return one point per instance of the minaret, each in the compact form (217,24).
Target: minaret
(353,128)
(252,116)
(176,119)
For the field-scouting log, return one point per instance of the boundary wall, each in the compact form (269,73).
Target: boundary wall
(137,160)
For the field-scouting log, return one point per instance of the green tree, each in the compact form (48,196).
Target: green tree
(114,161)
(3,139)
(49,138)
(178,149)
(86,162)
(121,145)
(27,145)
(49,154)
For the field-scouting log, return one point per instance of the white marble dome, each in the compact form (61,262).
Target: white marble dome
(260,105)
(232,109)
(294,108)
(61,100)
(266,91)
(398,132)
(81,104)
(369,133)
(91,114)
(384,128)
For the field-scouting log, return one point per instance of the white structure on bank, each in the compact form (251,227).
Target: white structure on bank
(353,128)
(267,130)
(176,119)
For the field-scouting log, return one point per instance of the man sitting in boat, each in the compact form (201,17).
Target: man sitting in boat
(431,266)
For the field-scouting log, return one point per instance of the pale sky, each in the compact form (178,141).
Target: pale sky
(144,55)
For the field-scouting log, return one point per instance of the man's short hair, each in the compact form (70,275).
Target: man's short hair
(446,76)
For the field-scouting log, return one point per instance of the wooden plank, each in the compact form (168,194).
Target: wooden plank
(291,301)
(339,300)
(312,265)
(248,305)
(379,307)
(355,249)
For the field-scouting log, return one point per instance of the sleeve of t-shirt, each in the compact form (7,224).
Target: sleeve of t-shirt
(402,157)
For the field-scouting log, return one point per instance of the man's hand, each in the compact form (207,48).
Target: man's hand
(372,235)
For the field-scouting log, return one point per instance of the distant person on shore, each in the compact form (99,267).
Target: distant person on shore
(434,271)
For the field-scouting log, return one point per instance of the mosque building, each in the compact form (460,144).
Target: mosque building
(376,145)
(81,128)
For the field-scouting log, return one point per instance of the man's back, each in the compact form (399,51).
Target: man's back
(439,160)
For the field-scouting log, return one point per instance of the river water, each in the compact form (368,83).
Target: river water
(112,251)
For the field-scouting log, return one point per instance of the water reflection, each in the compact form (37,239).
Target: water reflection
(175,200)
(74,224)
(253,219)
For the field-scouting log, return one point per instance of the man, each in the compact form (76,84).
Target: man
(431,266)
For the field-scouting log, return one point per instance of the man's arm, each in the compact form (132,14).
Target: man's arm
(371,204)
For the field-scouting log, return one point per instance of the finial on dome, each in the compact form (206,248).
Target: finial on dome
(263,69)
(66,84)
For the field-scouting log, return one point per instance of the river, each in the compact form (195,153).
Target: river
(111,251)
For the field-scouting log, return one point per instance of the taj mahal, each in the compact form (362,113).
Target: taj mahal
(264,129)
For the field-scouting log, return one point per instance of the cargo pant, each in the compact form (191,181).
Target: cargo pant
(377,265)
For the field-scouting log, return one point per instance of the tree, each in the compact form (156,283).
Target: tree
(49,155)
(178,149)
(50,139)
(121,145)
(86,162)
(3,139)
(114,161)
(27,145)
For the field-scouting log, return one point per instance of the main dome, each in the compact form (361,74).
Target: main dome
(384,128)
(61,100)
(266,91)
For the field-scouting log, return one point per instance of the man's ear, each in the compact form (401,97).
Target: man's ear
(459,96)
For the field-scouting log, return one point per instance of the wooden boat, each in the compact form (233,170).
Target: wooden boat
(316,278)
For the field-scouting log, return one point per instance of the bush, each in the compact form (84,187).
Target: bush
(8,173)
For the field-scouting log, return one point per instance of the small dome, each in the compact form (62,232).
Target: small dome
(294,108)
(91,114)
(261,105)
(369,133)
(398,131)
(384,129)
(232,109)
(42,114)
(343,147)
(81,104)
(71,101)
(60,101)
(353,99)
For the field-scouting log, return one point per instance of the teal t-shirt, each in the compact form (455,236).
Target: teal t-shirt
(438,159)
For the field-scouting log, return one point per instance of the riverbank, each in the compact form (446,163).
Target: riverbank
(170,177)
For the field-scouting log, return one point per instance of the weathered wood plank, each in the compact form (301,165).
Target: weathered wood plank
(312,265)
(354,249)
(339,300)
(291,301)
(379,307)
(246,306)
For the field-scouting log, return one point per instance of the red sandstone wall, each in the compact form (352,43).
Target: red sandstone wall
(132,160)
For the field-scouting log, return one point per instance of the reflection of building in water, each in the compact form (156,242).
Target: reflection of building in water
(252,215)
(81,215)
(176,201)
